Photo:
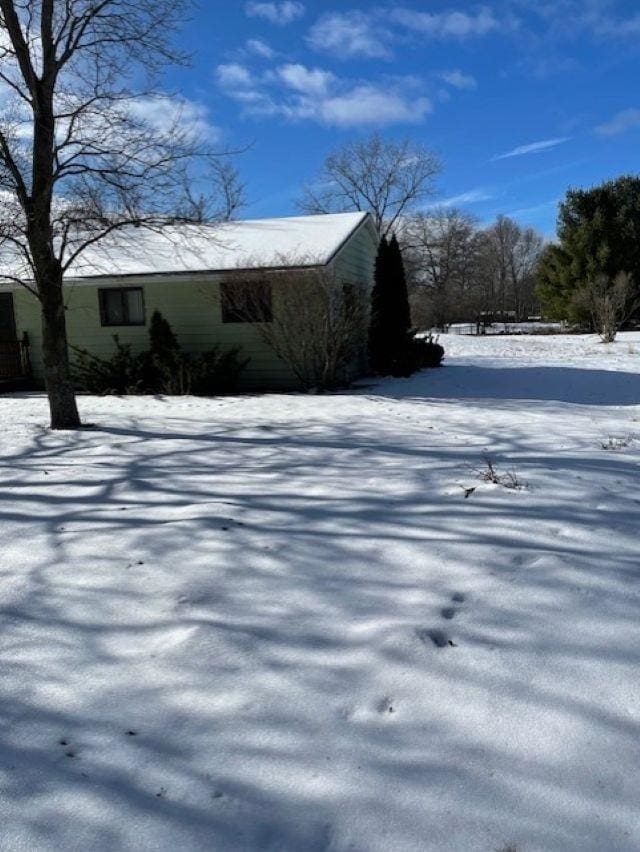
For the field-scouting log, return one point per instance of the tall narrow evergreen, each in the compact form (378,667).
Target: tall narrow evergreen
(378,354)
(400,319)
(389,332)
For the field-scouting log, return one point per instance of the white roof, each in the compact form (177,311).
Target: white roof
(259,243)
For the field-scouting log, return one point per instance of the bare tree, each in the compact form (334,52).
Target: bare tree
(313,321)
(609,303)
(458,272)
(225,196)
(509,256)
(88,144)
(386,178)
(439,249)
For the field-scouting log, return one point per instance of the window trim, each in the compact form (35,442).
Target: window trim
(126,323)
(229,316)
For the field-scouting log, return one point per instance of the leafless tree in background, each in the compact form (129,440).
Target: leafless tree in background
(88,144)
(440,254)
(461,273)
(510,257)
(388,179)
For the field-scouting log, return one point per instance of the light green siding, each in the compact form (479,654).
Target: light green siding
(192,305)
(356,261)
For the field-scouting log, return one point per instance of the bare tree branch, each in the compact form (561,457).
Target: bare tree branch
(459,273)
(89,144)
(313,321)
(389,179)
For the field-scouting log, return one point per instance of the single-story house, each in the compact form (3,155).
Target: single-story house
(185,273)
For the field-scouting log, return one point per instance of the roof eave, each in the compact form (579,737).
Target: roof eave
(187,273)
(200,273)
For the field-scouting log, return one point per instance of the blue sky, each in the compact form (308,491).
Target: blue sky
(520,99)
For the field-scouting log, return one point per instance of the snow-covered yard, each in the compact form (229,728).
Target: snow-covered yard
(277,623)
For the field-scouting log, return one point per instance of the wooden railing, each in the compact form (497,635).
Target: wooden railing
(14,359)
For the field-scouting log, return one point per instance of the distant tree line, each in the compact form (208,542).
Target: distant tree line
(456,270)
(460,272)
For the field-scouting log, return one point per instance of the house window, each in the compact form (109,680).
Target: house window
(246,301)
(122,306)
(7,321)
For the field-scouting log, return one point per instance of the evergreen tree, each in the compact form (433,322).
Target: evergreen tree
(400,319)
(378,355)
(598,237)
(162,338)
(164,362)
(390,329)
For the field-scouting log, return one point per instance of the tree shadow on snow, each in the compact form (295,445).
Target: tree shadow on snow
(226,626)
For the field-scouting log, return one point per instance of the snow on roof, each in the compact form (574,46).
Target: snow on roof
(259,243)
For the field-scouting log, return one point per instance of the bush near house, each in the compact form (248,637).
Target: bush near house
(164,369)
(316,326)
(428,352)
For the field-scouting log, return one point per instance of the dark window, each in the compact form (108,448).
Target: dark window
(122,306)
(7,323)
(246,302)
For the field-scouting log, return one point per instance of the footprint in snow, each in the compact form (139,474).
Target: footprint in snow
(385,705)
(525,560)
(70,752)
(437,637)
(450,612)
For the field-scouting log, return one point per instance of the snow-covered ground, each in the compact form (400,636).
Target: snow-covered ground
(534,327)
(277,623)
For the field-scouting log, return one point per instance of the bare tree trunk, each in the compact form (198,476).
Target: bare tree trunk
(62,400)
(87,164)
(49,278)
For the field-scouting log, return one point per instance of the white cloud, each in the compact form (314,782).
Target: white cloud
(616,28)
(459,80)
(536,208)
(309,81)
(360,106)
(162,114)
(368,105)
(620,123)
(276,13)
(299,93)
(260,48)
(472,196)
(348,34)
(154,117)
(452,24)
(533,148)
(233,75)
(597,17)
